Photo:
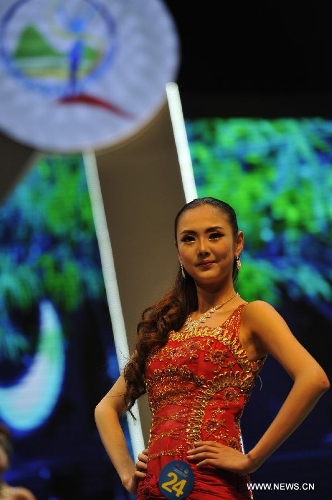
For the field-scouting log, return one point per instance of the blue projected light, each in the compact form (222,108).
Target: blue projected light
(29,402)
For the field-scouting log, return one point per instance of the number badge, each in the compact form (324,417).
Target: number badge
(176,480)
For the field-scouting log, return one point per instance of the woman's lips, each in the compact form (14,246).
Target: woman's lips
(205,264)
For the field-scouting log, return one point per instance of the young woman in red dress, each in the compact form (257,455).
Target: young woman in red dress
(199,350)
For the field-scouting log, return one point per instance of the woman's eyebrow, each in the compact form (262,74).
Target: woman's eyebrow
(214,228)
(207,230)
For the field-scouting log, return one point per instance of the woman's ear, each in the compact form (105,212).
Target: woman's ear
(239,242)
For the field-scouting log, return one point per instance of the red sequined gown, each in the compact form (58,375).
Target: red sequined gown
(197,386)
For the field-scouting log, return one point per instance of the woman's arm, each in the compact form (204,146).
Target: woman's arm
(273,335)
(107,417)
(268,333)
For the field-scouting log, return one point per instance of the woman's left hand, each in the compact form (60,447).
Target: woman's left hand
(141,464)
(139,473)
(210,453)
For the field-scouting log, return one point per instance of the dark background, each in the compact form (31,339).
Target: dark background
(254,59)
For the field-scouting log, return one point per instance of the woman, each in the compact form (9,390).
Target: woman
(198,352)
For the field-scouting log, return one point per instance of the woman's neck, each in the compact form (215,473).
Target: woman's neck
(206,300)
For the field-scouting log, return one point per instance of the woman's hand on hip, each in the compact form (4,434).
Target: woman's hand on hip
(213,454)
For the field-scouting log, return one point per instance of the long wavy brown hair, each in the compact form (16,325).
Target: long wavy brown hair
(170,312)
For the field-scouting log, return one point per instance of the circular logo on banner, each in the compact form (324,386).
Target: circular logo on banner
(176,480)
(83,74)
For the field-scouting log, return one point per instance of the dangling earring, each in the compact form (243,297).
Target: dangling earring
(182,271)
(238,263)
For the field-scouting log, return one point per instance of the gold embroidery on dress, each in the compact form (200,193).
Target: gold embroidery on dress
(178,451)
(189,395)
(219,383)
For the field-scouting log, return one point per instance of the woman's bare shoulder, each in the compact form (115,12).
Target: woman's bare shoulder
(258,304)
(260,316)
(258,307)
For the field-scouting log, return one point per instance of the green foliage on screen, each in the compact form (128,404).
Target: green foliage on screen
(277,174)
(48,247)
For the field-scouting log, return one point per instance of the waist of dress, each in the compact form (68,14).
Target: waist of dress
(209,483)
(181,427)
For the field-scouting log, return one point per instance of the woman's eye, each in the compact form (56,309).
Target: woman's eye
(187,239)
(214,236)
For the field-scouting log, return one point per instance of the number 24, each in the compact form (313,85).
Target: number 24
(177,486)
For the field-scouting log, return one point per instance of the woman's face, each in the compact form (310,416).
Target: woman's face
(206,245)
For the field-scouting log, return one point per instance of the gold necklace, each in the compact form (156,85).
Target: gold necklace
(194,323)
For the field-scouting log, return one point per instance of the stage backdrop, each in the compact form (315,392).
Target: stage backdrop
(57,355)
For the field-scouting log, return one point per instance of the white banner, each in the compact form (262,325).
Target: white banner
(83,74)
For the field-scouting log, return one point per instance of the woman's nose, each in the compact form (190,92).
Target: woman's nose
(202,248)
